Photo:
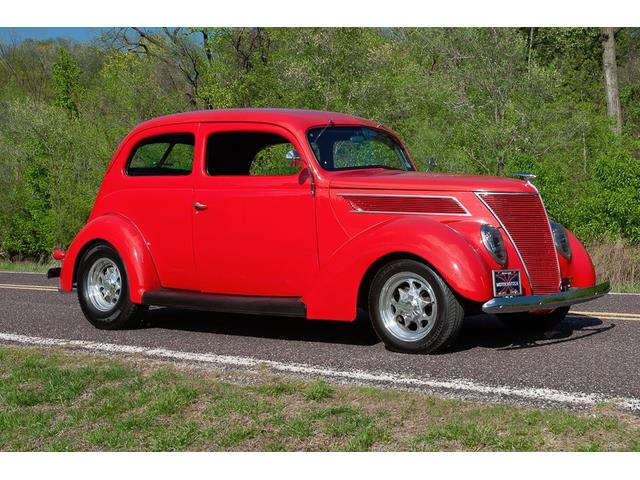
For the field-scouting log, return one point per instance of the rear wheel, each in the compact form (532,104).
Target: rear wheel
(103,290)
(534,321)
(412,309)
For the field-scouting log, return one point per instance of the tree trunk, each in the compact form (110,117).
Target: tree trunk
(611,77)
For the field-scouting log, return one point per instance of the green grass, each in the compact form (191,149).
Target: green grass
(60,401)
(318,391)
(626,288)
(26,266)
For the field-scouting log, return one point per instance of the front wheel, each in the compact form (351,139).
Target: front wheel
(412,309)
(103,290)
(534,321)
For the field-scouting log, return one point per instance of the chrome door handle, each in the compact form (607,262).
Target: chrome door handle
(200,206)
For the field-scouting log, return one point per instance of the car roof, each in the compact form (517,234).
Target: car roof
(293,118)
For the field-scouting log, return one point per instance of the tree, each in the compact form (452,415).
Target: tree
(610,70)
(491,101)
(66,78)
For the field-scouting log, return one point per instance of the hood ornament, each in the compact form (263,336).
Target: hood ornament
(526,176)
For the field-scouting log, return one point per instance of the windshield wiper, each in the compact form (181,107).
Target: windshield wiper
(330,124)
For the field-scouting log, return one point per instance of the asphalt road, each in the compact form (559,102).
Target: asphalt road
(590,357)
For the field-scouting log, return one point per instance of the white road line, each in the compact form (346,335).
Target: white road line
(453,386)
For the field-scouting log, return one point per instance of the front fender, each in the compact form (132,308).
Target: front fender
(580,269)
(125,237)
(335,293)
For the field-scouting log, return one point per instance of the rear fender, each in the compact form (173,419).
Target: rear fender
(124,236)
(335,294)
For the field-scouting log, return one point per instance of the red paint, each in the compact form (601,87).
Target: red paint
(297,235)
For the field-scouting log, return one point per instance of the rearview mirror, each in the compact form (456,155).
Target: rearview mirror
(294,157)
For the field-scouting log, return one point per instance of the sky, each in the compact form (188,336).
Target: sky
(80,34)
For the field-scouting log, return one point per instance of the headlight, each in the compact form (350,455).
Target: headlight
(561,239)
(494,243)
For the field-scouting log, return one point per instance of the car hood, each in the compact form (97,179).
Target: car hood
(380,179)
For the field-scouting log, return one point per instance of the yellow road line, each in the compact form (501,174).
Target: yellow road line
(43,288)
(601,315)
(608,316)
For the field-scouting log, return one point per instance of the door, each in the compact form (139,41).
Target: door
(254,213)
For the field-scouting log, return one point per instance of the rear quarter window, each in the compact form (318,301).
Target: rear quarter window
(162,156)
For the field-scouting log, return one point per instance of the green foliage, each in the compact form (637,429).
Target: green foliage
(66,82)
(486,101)
(612,208)
(52,167)
(577,55)
(272,160)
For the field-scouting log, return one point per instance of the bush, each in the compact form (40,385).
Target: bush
(52,166)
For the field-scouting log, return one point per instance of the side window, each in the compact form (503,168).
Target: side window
(251,154)
(163,155)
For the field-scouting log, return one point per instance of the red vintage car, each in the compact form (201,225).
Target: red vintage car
(316,214)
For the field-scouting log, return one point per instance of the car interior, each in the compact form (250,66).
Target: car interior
(249,153)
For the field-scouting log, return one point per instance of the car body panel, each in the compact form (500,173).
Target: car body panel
(397,180)
(118,231)
(258,231)
(579,270)
(335,292)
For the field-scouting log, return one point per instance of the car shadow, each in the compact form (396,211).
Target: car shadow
(480,331)
(486,331)
(359,332)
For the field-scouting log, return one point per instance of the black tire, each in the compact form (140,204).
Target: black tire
(534,321)
(124,313)
(447,320)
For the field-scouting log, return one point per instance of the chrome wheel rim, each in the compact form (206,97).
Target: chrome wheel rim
(104,284)
(408,306)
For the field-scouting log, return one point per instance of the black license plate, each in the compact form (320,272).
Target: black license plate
(506,283)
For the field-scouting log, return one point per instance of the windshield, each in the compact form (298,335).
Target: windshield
(345,148)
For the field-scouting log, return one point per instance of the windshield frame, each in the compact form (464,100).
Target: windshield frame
(407,160)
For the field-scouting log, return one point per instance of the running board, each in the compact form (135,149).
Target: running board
(281,306)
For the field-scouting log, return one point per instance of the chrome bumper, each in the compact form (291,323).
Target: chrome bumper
(544,302)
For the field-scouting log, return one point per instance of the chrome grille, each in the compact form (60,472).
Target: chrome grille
(523,216)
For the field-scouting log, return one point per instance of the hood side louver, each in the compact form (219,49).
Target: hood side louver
(407,204)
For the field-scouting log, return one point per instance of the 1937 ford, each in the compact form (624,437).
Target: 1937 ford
(315,214)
